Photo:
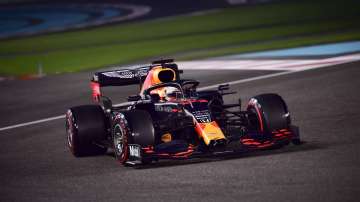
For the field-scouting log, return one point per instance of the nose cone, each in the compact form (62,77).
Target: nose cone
(209,132)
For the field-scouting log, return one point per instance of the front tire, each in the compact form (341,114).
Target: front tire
(121,141)
(271,112)
(132,127)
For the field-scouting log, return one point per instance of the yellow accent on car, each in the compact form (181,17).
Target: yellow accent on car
(209,131)
(166,137)
(158,75)
(156,78)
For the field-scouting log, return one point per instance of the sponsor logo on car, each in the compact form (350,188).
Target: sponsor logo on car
(134,151)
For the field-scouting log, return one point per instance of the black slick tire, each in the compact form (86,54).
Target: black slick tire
(271,112)
(85,125)
(132,127)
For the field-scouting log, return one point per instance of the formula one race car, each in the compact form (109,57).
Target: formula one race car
(170,119)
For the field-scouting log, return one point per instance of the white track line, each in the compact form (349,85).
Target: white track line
(271,64)
(333,61)
(32,122)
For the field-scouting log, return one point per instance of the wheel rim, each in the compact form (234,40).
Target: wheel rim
(120,144)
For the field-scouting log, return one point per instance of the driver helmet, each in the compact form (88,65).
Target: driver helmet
(171,93)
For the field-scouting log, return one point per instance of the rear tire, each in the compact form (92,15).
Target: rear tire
(271,112)
(85,125)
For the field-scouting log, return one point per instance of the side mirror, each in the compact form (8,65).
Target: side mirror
(134,98)
(223,87)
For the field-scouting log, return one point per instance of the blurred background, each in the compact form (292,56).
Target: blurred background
(49,50)
(39,37)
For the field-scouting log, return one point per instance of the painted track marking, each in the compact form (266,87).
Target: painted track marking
(32,122)
(269,64)
(320,64)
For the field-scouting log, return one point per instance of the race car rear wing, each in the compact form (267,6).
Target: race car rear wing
(124,77)
(120,77)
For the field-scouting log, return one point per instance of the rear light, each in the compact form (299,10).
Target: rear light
(96,93)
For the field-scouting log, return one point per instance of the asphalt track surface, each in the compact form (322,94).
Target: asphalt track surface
(35,164)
